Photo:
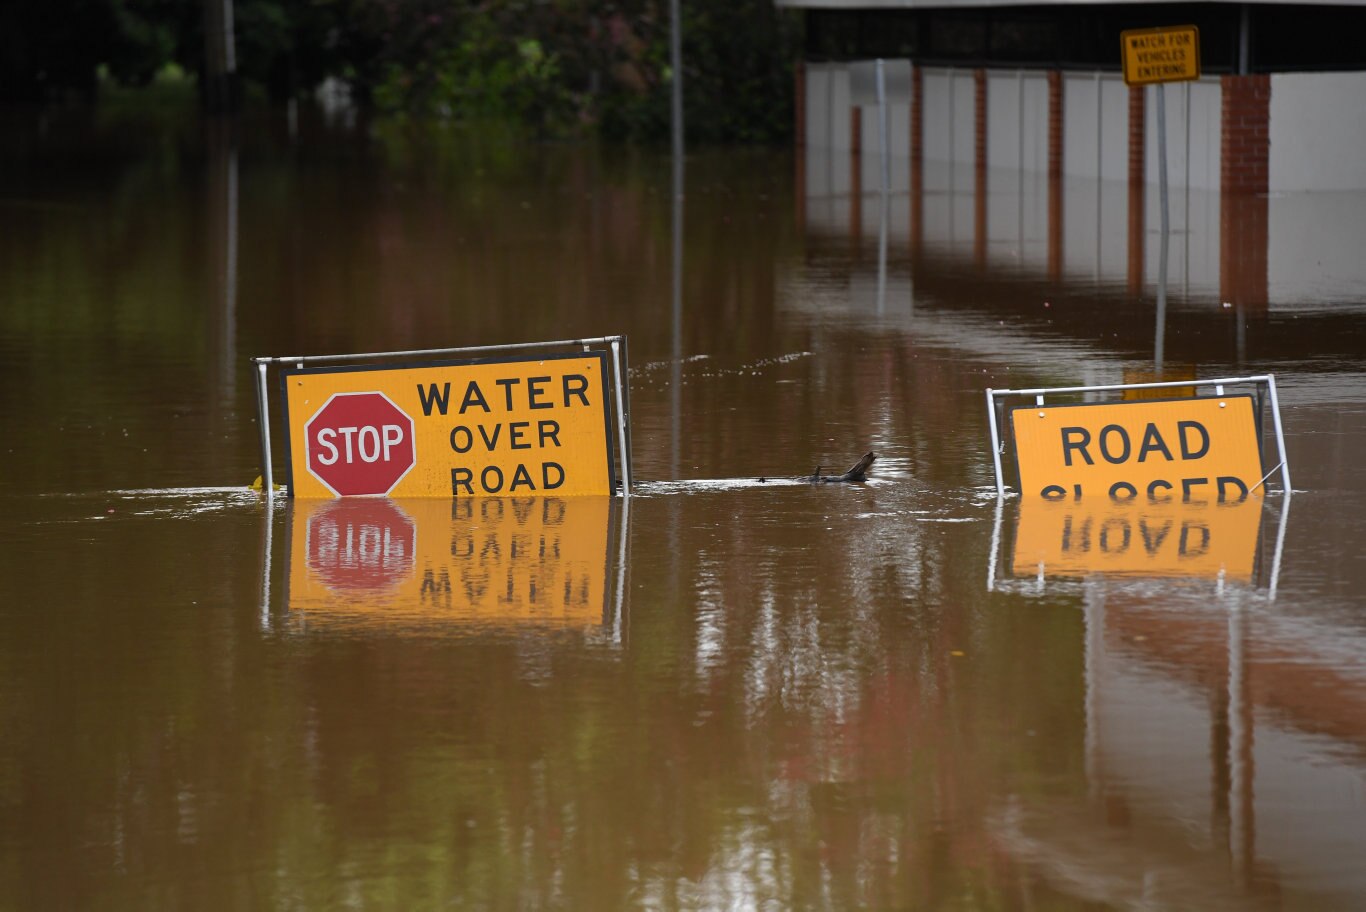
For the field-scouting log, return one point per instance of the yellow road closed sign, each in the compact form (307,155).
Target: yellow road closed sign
(451,429)
(1201,450)
(1153,55)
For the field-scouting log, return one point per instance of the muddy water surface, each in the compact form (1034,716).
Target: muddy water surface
(722,693)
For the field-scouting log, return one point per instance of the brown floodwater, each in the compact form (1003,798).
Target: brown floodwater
(719,693)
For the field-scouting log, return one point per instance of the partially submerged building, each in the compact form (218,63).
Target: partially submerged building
(1013,139)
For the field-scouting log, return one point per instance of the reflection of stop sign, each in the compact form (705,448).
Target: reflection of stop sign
(361,544)
(359,443)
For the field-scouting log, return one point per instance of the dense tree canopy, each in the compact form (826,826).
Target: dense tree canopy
(557,65)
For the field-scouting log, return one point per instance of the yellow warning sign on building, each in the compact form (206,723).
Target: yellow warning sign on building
(451,429)
(486,560)
(1169,54)
(1201,450)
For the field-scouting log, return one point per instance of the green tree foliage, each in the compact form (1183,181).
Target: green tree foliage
(737,72)
(556,66)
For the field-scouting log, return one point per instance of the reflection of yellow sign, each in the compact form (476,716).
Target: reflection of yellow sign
(1149,539)
(1189,450)
(1170,54)
(1168,374)
(513,428)
(474,560)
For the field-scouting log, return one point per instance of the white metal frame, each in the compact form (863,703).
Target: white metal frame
(1267,380)
(621,388)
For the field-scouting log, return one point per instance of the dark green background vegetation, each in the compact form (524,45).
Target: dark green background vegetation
(559,67)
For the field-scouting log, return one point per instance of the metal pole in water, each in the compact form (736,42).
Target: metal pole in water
(886,177)
(622,418)
(676,102)
(882,129)
(995,443)
(1280,432)
(1162,248)
(263,416)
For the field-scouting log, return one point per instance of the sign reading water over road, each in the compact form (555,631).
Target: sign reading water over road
(518,427)
(1155,55)
(1201,450)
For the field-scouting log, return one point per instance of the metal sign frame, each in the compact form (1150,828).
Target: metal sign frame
(1261,381)
(621,387)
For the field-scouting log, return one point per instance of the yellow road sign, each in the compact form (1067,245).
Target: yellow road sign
(1144,539)
(1169,54)
(451,429)
(474,561)
(1188,450)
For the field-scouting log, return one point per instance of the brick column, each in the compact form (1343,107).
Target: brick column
(917,159)
(1137,175)
(1055,175)
(1244,159)
(855,175)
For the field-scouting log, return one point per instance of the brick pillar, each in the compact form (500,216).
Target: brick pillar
(1055,175)
(1244,143)
(1244,158)
(1137,175)
(855,175)
(917,159)
(979,79)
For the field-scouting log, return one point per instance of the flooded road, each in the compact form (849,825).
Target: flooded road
(719,693)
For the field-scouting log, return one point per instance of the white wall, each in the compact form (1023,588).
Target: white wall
(1318,131)
(1314,256)
(1194,112)
(1017,120)
(898,145)
(949,120)
(1095,137)
(1095,228)
(827,131)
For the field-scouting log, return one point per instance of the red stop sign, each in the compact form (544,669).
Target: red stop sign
(359,443)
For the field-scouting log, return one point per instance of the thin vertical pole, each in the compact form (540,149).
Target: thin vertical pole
(1160,341)
(625,460)
(1020,170)
(263,417)
(676,104)
(626,395)
(1100,170)
(1244,39)
(882,129)
(1186,197)
(1280,434)
(995,444)
(886,180)
(676,82)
